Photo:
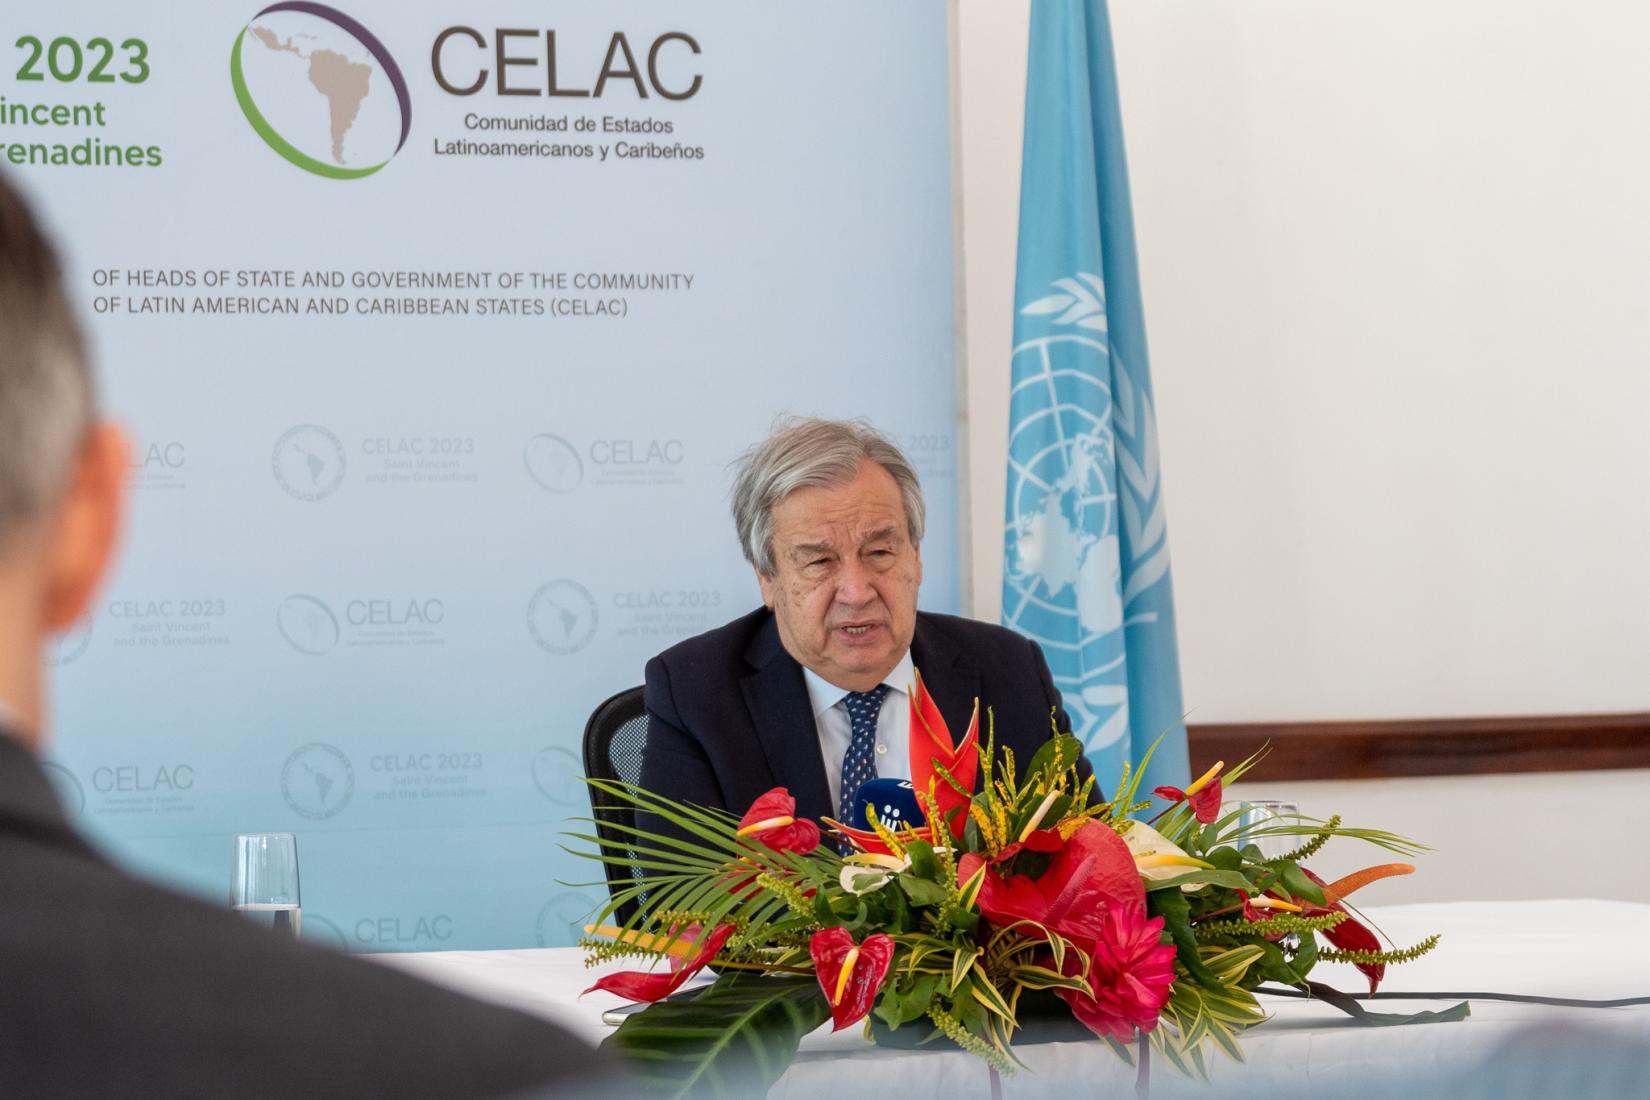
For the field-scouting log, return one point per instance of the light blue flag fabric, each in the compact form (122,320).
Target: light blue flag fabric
(1087,566)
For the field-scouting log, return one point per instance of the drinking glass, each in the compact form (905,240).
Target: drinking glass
(263,881)
(1259,813)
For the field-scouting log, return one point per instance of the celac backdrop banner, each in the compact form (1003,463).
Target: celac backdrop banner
(436,327)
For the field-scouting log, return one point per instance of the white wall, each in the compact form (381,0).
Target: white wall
(1397,277)
(1396,265)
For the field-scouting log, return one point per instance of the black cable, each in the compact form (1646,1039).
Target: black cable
(1521,998)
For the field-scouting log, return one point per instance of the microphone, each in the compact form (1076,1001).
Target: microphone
(892,800)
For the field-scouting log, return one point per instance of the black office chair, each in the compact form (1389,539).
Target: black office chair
(614,740)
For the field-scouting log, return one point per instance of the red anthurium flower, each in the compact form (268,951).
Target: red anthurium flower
(931,745)
(1349,935)
(850,973)
(772,821)
(1204,794)
(1038,840)
(1045,840)
(1130,972)
(642,985)
(1205,802)
(1092,872)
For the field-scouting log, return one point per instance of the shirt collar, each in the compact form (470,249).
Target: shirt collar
(823,695)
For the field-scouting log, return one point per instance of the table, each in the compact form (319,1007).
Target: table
(1587,949)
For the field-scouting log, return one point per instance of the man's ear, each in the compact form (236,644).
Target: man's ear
(86,527)
(765,583)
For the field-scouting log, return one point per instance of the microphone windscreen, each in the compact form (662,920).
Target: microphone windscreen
(892,800)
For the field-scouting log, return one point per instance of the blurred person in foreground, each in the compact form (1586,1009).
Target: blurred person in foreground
(811,691)
(113,987)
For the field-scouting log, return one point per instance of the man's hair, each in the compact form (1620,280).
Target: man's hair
(801,453)
(46,401)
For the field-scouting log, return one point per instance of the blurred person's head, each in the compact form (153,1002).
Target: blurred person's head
(62,472)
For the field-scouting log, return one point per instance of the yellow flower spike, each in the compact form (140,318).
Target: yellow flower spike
(1203,780)
(884,834)
(765,823)
(680,949)
(844,974)
(1037,817)
(1274,903)
(983,820)
(1070,826)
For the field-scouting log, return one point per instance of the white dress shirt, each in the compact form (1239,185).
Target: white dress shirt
(893,752)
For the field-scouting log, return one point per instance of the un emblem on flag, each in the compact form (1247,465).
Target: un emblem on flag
(1085,530)
(1062,545)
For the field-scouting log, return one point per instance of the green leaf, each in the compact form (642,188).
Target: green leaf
(1054,755)
(1041,977)
(1230,964)
(1172,906)
(960,965)
(1295,881)
(735,1039)
(924,863)
(1276,967)
(1306,957)
(990,996)
(910,1001)
(922,891)
(1232,880)
(1349,1005)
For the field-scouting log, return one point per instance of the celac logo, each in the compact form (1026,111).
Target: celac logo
(308,462)
(553,463)
(320,89)
(307,624)
(317,781)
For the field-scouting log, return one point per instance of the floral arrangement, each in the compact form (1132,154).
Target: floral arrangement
(1022,900)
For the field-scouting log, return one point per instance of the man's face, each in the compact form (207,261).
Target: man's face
(844,588)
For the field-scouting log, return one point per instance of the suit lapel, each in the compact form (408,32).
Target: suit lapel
(784,723)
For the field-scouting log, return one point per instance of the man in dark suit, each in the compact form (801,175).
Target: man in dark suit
(110,986)
(812,691)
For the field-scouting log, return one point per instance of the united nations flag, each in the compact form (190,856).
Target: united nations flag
(1086,572)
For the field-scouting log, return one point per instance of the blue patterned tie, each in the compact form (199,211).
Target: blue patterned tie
(859,763)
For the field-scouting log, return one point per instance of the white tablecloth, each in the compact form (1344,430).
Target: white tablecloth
(1587,949)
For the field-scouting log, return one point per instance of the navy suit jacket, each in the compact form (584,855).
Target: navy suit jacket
(728,716)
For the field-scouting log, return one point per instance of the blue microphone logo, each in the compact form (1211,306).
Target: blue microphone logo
(894,802)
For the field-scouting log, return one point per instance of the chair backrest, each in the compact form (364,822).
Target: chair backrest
(614,740)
